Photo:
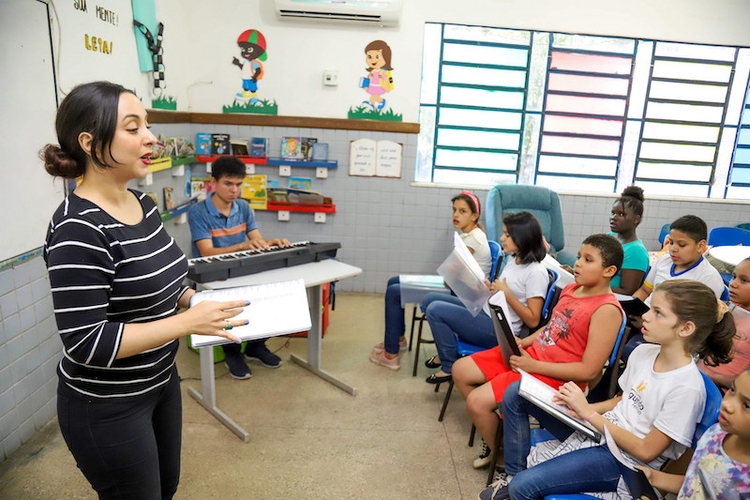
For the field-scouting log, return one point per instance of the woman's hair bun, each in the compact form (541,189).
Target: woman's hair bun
(633,192)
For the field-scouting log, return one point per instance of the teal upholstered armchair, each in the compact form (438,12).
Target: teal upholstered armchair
(540,201)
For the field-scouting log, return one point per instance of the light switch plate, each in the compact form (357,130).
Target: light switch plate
(320,217)
(283,215)
(249,169)
(285,170)
(321,173)
(147,180)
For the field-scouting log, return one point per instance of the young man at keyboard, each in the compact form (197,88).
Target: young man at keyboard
(225,223)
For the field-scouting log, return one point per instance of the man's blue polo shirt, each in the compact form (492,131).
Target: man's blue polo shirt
(207,222)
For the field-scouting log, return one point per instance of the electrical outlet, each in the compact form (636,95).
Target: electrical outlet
(178,171)
(285,170)
(249,169)
(321,173)
(331,78)
(208,167)
(320,217)
(181,219)
(147,180)
(283,215)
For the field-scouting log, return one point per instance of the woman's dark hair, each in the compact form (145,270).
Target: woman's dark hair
(527,234)
(694,301)
(89,107)
(632,196)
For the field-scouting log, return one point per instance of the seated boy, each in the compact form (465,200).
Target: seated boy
(557,352)
(687,243)
(224,223)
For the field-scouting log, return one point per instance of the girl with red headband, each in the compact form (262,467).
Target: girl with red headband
(466,212)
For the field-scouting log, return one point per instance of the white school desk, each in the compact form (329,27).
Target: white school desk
(314,274)
(731,255)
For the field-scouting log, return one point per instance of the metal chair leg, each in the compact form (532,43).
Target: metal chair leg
(497,451)
(445,401)
(472,434)
(413,320)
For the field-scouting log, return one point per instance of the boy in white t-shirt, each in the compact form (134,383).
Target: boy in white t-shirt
(687,243)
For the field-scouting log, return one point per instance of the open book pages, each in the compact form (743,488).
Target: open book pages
(464,277)
(541,394)
(565,278)
(275,309)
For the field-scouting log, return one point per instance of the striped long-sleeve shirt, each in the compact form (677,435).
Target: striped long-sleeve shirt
(103,275)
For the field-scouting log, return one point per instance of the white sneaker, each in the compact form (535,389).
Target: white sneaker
(484,458)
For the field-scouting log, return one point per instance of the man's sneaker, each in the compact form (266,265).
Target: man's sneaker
(263,355)
(380,358)
(402,345)
(237,366)
(497,490)
(484,458)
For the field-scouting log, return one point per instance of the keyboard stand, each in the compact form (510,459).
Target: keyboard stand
(314,274)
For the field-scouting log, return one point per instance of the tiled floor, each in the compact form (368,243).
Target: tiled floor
(308,439)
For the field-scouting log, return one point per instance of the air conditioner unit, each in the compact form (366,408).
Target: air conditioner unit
(386,13)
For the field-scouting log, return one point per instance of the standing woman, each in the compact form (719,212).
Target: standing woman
(116,278)
(627,212)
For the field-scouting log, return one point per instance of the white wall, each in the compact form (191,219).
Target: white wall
(200,44)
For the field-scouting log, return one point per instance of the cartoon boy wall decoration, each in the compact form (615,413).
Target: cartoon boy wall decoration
(378,80)
(252,46)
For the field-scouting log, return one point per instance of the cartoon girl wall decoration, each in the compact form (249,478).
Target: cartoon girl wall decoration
(378,81)
(252,46)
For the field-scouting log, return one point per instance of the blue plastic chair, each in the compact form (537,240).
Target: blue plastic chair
(725,294)
(664,232)
(728,236)
(710,417)
(496,254)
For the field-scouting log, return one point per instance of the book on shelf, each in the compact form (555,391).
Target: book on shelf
(168,198)
(220,144)
(258,146)
(307,147)
(291,148)
(203,143)
(300,183)
(371,158)
(239,147)
(275,309)
(254,190)
(320,151)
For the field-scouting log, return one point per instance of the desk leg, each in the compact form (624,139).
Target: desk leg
(314,340)
(208,399)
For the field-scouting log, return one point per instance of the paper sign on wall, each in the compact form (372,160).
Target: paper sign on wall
(370,158)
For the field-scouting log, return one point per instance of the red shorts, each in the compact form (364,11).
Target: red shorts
(500,376)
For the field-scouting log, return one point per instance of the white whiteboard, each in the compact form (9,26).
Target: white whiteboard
(28,195)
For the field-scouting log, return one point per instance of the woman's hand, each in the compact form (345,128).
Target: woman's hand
(214,318)
(572,396)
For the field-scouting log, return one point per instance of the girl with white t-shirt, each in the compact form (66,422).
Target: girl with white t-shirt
(663,395)
(523,281)
(466,213)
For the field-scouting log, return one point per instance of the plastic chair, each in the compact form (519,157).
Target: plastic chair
(744,225)
(496,253)
(664,232)
(710,417)
(543,203)
(728,236)
(725,294)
